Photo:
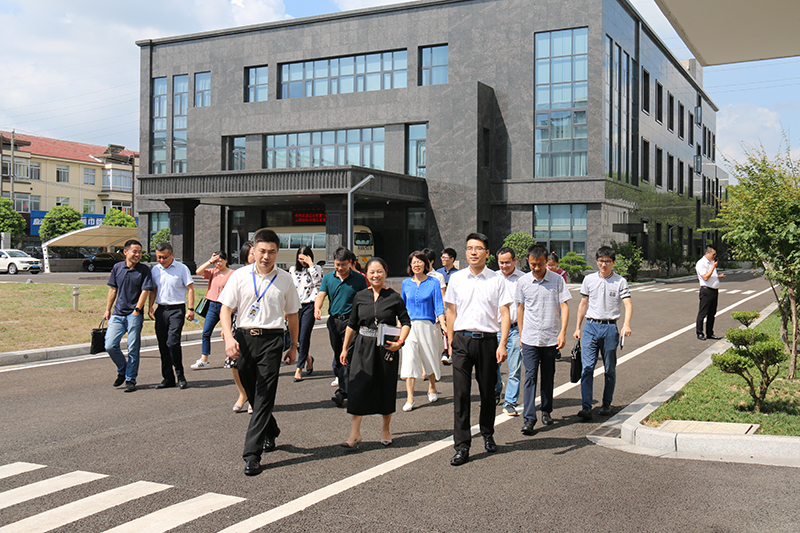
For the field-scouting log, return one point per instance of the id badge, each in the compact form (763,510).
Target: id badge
(254,311)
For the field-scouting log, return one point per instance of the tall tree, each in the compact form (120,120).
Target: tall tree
(10,221)
(60,220)
(761,220)
(120,219)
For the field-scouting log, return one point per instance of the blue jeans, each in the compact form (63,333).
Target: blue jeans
(536,357)
(514,366)
(212,319)
(118,325)
(598,339)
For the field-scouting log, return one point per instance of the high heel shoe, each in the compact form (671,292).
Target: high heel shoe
(386,443)
(353,446)
(309,367)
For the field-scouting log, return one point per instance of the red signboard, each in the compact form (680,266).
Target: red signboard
(308,216)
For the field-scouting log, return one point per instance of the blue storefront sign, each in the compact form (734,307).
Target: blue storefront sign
(88,220)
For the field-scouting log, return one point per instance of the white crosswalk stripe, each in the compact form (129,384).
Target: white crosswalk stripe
(178,514)
(15,469)
(45,487)
(661,290)
(691,290)
(734,291)
(71,512)
(748,292)
(679,289)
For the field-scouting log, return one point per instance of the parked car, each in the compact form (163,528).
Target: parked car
(36,251)
(102,261)
(13,261)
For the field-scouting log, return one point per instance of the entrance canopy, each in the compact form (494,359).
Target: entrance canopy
(106,236)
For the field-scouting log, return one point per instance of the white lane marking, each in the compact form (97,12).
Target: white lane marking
(734,291)
(178,514)
(45,487)
(661,290)
(691,290)
(677,290)
(648,289)
(319,495)
(77,510)
(14,469)
(748,292)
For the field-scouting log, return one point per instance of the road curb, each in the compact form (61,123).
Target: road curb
(628,422)
(75,350)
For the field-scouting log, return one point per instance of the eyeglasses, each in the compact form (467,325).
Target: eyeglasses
(604,261)
(476,249)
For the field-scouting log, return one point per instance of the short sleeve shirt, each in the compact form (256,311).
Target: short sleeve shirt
(172,282)
(702,267)
(129,282)
(477,299)
(605,295)
(216,282)
(511,285)
(439,277)
(279,299)
(541,321)
(341,292)
(423,301)
(447,273)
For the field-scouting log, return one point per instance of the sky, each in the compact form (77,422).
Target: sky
(70,69)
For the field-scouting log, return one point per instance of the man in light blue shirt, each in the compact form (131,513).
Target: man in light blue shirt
(174,285)
(507,261)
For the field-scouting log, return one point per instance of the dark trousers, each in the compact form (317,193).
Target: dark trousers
(306,318)
(169,326)
(259,364)
(481,354)
(336,329)
(534,357)
(708,310)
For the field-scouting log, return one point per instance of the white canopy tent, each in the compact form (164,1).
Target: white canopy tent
(106,236)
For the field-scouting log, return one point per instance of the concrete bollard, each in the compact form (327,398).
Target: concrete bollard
(76,292)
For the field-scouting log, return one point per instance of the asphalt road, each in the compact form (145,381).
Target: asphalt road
(183,447)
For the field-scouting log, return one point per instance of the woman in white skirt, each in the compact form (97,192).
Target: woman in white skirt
(421,354)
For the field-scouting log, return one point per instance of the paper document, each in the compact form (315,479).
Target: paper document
(387,333)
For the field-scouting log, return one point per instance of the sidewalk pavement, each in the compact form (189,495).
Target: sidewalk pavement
(626,432)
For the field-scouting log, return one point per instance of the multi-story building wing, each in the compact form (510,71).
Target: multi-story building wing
(51,172)
(568,119)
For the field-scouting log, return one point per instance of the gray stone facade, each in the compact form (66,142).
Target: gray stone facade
(480,144)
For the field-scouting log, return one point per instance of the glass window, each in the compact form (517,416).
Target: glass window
(22,202)
(434,65)
(35,172)
(362,147)
(62,200)
(237,153)
(258,83)
(417,153)
(202,89)
(88,206)
(158,156)
(88,176)
(35,202)
(62,174)
(561,227)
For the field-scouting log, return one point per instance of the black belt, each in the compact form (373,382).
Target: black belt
(477,334)
(172,307)
(341,317)
(260,332)
(598,321)
(514,324)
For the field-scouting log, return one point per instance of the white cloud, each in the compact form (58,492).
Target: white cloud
(744,125)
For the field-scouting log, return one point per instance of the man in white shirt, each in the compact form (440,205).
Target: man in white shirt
(543,315)
(602,293)
(709,276)
(174,286)
(473,298)
(264,295)
(507,261)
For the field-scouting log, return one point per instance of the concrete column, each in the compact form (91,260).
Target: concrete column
(335,225)
(182,230)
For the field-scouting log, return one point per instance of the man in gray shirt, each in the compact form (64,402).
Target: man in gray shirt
(542,315)
(602,293)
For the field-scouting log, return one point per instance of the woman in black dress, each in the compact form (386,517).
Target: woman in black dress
(372,388)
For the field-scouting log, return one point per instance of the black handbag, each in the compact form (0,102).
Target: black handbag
(202,307)
(576,367)
(98,339)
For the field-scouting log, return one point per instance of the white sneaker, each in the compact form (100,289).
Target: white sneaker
(408,406)
(201,364)
(432,397)
(335,382)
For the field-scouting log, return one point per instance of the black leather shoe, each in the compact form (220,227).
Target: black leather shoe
(461,457)
(252,467)
(338,398)
(182,383)
(130,386)
(585,414)
(120,380)
(498,398)
(527,427)
(165,384)
(701,337)
(713,337)
(489,444)
(606,410)
(546,420)
(269,444)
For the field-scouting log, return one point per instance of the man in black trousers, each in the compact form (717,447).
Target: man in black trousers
(473,298)
(709,276)
(263,295)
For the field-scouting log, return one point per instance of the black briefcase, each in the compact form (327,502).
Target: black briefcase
(575,367)
(99,338)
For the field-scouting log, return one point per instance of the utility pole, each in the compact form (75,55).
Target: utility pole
(11,170)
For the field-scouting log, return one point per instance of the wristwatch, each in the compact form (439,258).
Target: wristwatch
(296,344)
(141,311)
(190,309)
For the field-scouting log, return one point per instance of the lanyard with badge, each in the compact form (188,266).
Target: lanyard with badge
(256,307)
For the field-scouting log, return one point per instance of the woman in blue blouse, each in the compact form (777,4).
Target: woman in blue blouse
(421,353)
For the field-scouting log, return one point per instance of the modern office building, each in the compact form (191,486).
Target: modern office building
(568,119)
(50,172)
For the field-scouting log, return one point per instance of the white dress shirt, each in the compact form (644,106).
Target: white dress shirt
(281,297)
(511,286)
(477,299)
(172,283)
(702,267)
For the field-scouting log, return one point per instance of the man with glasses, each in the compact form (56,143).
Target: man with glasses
(473,298)
(448,267)
(709,276)
(602,292)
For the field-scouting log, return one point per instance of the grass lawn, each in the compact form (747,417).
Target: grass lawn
(717,397)
(40,315)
